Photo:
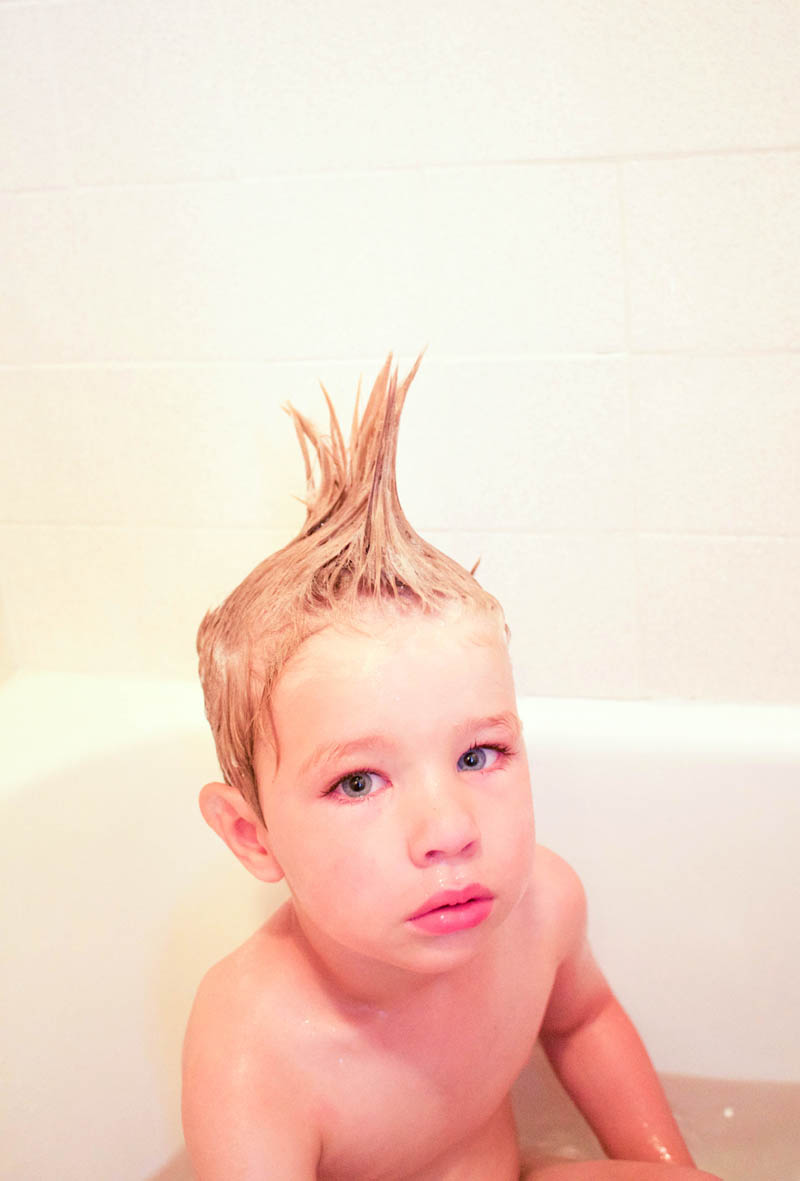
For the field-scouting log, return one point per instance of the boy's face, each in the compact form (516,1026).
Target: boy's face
(402,774)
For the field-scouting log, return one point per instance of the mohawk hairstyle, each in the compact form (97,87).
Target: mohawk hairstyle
(355,545)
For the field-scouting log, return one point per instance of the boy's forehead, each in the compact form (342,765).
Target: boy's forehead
(366,640)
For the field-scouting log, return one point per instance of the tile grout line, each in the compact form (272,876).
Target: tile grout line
(634,446)
(435,531)
(612,158)
(443,360)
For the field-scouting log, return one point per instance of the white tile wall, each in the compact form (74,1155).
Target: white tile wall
(719,443)
(192,272)
(712,251)
(720,617)
(153,103)
(31,144)
(540,445)
(522,258)
(589,213)
(114,446)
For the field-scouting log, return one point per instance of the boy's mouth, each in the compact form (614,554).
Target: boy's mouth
(454,910)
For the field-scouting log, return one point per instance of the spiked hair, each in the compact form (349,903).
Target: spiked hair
(355,545)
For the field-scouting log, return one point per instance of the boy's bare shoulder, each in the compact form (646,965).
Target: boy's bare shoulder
(241,1008)
(559,896)
(237,1066)
(555,876)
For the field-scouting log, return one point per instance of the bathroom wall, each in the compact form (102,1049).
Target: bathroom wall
(588,213)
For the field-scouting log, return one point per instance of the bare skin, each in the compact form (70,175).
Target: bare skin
(347,1040)
(392,1089)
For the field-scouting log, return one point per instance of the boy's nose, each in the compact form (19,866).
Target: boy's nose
(441,826)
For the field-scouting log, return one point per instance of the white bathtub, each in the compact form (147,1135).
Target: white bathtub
(683,820)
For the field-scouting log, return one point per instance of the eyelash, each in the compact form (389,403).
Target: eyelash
(330,791)
(502,749)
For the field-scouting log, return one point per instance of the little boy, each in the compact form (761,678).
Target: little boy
(360,693)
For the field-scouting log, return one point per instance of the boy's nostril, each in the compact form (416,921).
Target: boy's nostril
(456,850)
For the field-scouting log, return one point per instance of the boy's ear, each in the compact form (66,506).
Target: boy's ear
(226,810)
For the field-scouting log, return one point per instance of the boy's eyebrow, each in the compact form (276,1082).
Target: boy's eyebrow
(333,751)
(329,751)
(508,719)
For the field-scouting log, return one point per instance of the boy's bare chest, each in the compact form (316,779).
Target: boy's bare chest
(400,1094)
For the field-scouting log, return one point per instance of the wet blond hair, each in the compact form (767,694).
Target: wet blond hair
(355,545)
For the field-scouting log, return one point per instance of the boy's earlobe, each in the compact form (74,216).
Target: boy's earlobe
(226,810)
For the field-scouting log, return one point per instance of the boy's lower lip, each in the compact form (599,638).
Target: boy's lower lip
(446,919)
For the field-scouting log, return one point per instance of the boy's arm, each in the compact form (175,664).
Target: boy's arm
(600,1058)
(225,1143)
(240,1121)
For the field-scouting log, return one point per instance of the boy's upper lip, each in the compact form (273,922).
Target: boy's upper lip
(452,898)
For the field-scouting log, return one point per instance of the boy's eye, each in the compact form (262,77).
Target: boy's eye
(478,758)
(358,785)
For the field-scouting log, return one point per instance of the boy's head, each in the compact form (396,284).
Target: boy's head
(355,549)
(402,774)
